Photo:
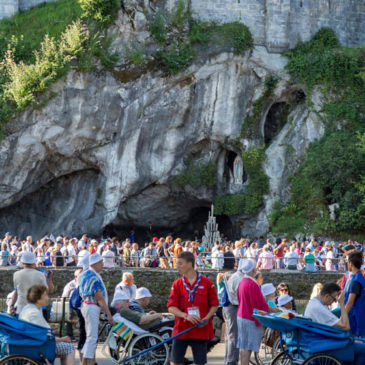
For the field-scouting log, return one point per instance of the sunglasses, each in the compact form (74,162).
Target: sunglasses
(284,289)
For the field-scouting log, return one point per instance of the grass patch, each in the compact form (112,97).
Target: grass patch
(25,31)
(36,48)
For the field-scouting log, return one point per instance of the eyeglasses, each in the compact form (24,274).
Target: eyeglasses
(284,289)
(333,298)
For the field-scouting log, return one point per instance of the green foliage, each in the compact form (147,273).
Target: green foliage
(198,175)
(270,83)
(50,62)
(24,32)
(251,124)
(331,171)
(230,204)
(253,160)
(159,27)
(177,33)
(249,128)
(252,199)
(176,57)
(136,56)
(234,35)
(330,174)
(180,14)
(37,47)
(101,11)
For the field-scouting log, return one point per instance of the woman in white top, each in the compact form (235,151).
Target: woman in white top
(37,297)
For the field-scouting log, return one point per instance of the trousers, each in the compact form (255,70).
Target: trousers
(91,314)
(231,351)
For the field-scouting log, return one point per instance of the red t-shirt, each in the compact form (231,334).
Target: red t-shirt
(205,298)
(249,298)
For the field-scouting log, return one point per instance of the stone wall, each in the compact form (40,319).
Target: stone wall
(9,7)
(159,281)
(278,24)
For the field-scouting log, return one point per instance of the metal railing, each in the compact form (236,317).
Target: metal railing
(204,260)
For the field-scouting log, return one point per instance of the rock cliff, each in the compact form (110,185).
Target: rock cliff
(105,149)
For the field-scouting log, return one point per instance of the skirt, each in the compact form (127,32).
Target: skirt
(249,335)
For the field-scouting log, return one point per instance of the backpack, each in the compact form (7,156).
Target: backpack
(225,299)
(59,258)
(75,300)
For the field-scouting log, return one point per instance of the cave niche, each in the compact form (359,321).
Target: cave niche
(235,174)
(275,120)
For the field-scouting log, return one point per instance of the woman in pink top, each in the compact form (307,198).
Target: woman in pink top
(266,259)
(249,298)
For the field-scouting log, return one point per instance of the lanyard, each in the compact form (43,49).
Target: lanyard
(191,292)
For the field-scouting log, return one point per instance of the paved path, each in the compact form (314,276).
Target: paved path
(215,357)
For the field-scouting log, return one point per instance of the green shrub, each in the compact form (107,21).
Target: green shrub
(24,32)
(230,204)
(270,82)
(159,27)
(198,175)
(102,11)
(181,15)
(330,174)
(331,171)
(136,56)
(235,35)
(176,57)
(50,62)
(177,32)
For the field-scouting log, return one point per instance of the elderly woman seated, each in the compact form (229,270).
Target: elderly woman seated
(37,298)
(120,304)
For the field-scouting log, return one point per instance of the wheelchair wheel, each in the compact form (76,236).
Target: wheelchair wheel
(281,359)
(158,356)
(267,353)
(264,356)
(322,359)
(17,360)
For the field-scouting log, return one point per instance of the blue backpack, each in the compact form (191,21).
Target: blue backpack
(75,300)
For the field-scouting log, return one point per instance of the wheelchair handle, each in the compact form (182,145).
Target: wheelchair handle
(165,341)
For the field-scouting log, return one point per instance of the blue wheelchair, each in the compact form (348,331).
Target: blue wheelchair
(24,343)
(304,342)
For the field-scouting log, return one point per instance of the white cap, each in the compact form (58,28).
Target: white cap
(94,259)
(59,238)
(120,295)
(246,265)
(28,258)
(284,299)
(94,241)
(143,292)
(267,289)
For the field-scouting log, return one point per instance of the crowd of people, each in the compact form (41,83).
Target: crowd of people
(308,255)
(193,301)
(243,293)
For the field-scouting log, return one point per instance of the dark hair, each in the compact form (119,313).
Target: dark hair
(329,288)
(187,256)
(356,259)
(283,285)
(35,293)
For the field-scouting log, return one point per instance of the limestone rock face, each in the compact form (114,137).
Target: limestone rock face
(105,150)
